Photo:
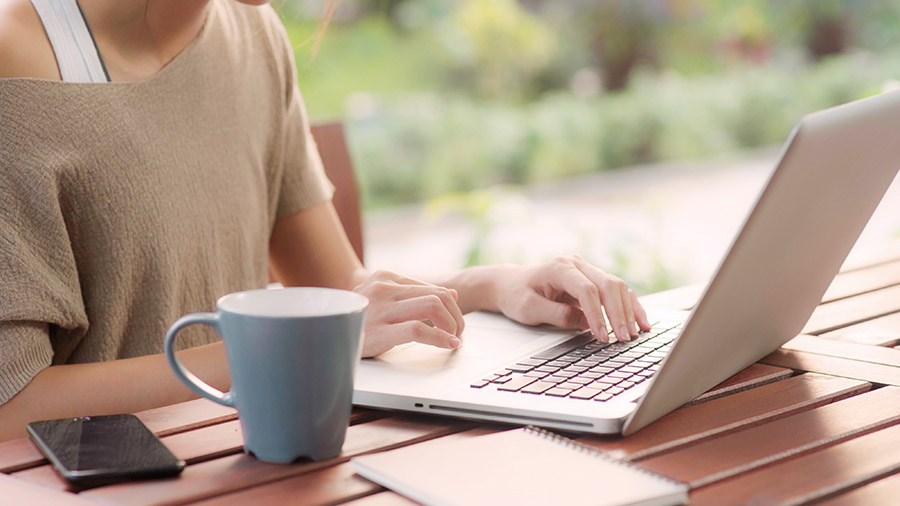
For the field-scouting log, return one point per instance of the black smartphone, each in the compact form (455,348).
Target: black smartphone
(90,451)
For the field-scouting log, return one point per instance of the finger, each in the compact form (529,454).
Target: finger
(447,295)
(574,282)
(629,310)
(420,332)
(639,313)
(542,310)
(427,307)
(610,288)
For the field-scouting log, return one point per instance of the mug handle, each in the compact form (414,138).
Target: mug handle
(187,377)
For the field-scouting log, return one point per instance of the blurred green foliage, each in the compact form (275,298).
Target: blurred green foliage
(424,145)
(445,96)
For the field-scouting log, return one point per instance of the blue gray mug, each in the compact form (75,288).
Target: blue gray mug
(292,354)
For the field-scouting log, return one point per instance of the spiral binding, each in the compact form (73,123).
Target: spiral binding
(581,447)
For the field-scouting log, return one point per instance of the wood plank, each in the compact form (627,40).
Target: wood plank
(862,279)
(386,498)
(882,331)
(885,253)
(185,416)
(799,434)
(688,426)
(848,284)
(20,454)
(834,366)
(754,376)
(832,348)
(844,312)
(18,491)
(331,485)
(237,472)
(821,474)
(883,491)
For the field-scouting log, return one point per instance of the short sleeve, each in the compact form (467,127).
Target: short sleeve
(304,183)
(303,180)
(39,286)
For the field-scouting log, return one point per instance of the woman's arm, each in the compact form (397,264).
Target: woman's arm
(310,248)
(117,386)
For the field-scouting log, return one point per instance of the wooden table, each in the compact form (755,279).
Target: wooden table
(816,420)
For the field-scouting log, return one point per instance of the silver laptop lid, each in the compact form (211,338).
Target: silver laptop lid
(833,171)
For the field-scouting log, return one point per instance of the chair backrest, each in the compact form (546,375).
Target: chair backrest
(339,168)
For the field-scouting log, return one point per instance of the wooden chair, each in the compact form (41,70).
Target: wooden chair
(339,168)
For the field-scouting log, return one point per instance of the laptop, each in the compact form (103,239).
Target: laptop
(832,172)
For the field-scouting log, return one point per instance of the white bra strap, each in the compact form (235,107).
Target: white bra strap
(76,53)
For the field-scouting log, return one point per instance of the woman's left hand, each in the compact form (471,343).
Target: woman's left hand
(568,292)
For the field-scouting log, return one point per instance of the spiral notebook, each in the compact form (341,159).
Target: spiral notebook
(521,467)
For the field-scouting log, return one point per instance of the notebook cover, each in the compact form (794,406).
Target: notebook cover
(520,466)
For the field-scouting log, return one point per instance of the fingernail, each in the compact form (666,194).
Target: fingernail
(454,342)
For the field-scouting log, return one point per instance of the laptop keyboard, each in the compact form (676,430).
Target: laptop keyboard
(584,368)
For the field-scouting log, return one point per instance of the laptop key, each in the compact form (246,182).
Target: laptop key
(615,390)
(555,379)
(558,392)
(603,369)
(609,380)
(479,384)
(575,368)
(519,368)
(532,362)
(565,374)
(580,380)
(556,363)
(516,383)
(536,374)
(590,374)
(538,387)
(569,385)
(603,397)
(585,393)
(501,379)
(546,368)
(630,369)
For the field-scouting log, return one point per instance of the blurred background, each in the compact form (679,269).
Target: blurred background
(636,133)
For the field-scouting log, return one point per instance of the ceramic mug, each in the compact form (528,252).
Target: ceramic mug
(292,354)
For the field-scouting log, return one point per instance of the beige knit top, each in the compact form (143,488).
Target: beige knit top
(124,206)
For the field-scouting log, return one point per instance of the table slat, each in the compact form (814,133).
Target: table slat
(326,486)
(854,351)
(687,426)
(835,366)
(754,376)
(16,491)
(820,474)
(737,453)
(386,498)
(883,331)
(856,282)
(19,454)
(185,416)
(237,472)
(844,312)
(884,491)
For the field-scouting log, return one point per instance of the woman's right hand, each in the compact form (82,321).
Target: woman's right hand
(403,309)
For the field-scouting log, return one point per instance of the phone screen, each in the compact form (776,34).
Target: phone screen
(94,450)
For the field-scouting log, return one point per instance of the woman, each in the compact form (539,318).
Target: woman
(190,174)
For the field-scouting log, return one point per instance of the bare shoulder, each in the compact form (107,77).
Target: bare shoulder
(25,50)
